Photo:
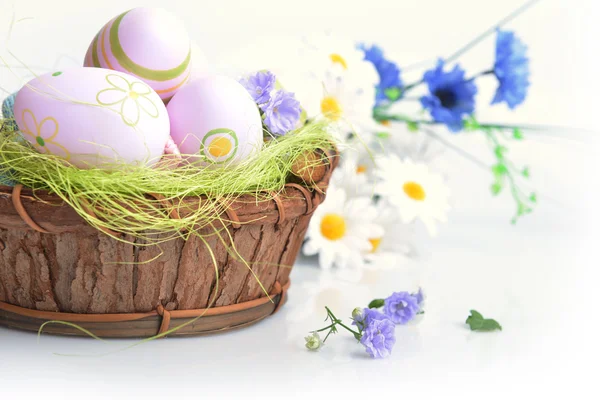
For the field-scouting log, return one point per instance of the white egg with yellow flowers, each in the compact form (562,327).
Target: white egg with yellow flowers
(215,121)
(93,117)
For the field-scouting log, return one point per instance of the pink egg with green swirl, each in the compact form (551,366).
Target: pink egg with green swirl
(214,121)
(93,118)
(148,43)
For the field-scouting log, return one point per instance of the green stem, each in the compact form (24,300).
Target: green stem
(488,72)
(490,31)
(327,327)
(413,85)
(523,202)
(339,322)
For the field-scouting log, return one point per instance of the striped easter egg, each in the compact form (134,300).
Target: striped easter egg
(148,43)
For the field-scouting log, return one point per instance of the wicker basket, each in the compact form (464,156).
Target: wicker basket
(54,266)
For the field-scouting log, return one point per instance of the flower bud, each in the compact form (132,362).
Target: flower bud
(313,341)
(357,314)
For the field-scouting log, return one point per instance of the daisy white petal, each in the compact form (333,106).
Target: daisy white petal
(416,192)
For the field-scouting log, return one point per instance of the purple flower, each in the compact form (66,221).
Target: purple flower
(259,86)
(378,335)
(366,317)
(401,307)
(282,113)
(420,296)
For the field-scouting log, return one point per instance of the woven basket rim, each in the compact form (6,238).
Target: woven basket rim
(36,210)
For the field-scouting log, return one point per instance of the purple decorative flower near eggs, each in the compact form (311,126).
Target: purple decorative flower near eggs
(282,113)
(259,86)
(401,307)
(378,336)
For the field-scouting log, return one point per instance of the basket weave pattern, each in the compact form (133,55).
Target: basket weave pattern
(76,269)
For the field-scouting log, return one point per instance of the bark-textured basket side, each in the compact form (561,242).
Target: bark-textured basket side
(78,269)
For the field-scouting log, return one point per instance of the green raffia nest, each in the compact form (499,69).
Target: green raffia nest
(119,199)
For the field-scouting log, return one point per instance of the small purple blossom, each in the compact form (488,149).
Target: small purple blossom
(420,296)
(378,335)
(259,86)
(282,113)
(366,317)
(401,307)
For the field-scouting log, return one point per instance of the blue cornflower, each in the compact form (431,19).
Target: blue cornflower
(401,307)
(389,72)
(450,97)
(282,113)
(511,68)
(259,86)
(377,334)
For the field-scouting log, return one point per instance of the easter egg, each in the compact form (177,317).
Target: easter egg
(215,119)
(93,117)
(148,43)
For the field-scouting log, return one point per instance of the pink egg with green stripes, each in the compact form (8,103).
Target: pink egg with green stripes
(148,43)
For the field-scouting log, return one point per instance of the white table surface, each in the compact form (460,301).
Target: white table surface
(538,279)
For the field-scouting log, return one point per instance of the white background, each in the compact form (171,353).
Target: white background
(538,278)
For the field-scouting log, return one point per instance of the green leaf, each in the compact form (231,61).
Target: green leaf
(499,151)
(478,323)
(517,134)
(523,209)
(496,188)
(471,124)
(525,172)
(499,170)
(475,314)
(412,126)
(377,303)
(533,198)
(382,135)
(393,93)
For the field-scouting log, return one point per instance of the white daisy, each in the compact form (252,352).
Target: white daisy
(409,144)
(340,229)
(413,190)
(354,174)
(395,246)
(346,82)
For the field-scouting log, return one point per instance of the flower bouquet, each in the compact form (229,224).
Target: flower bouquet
(390,129)
(386,184)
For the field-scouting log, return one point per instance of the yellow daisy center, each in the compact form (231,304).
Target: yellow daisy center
(414,190)
(331,108)
(386,122)
(338,59)
(333,226)
(133,95)
(219,147)
(361,169)
(375,243)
